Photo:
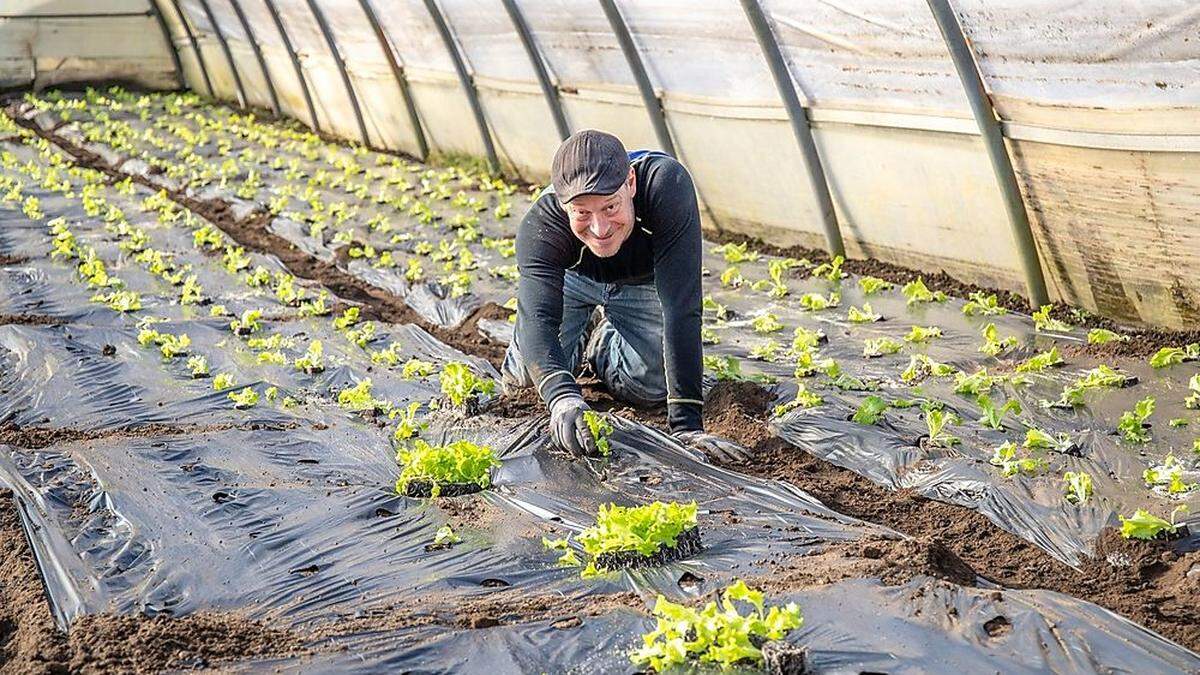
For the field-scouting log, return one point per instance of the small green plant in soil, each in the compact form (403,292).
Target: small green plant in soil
(359,399)
(975,383)
(719,634)
(647,531)
(985,305)
(767,350)
(831,270)
(917,292)
(1103,336)
(1100,377)
(815,302)
(1077,486)
(445,537)
(1192,402)
(407,427)
(415,367)
(436,467)
(1043,322)
(1167,478)
(993,415)
(313,360)
(810,362)
(1170,356)
(246,398)
(736,253)
(249,322)
(1011,463)
(766,323)
(922,334)
(730,368)
(804,339)
(1145,525)
(1132,425)
(873,285)
(870,411)
(1036,439)
(461,386)
(718,310)
(348,318)
(600,428)
(1040,361)
(875,347)
(563,546)
(921,366)
(864,315)
(993,344)
(936,421)
(732,277)
(198,365)
(804,399)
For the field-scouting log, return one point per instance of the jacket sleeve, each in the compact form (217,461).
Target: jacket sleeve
(541,253)
(677,266)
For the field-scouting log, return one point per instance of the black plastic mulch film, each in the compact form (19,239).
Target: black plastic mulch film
(289,513)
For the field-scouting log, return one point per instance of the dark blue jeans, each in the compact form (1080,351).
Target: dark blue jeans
(626,352)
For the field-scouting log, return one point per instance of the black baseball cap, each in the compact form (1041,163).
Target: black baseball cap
(589,162)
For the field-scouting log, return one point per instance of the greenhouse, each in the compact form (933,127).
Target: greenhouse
(439,336)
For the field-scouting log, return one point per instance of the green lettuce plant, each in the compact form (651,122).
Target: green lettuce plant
(246,398)
(1040,361)
(922,334)
(1145,525)
(1103,336)
(870,411)
(874,347)
(1011,463)
(407,427)
(1132,425)
(460,384)
(639,529)
(1043,322)
(917,292)
(600,428)
(1077,486)
(993,344)
(873,285)
(831,270)
(980,304)
(458,462)
(1170,356)
(815,302)
(719,634)
(936,421)
(993,415)
(359,399)
(730,368)
(803,399)
(864,315)
(1167,477)
(313,360)
(766,323)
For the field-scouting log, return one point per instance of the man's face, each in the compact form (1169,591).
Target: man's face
(604,222)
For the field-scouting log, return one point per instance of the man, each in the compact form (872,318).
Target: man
(619,231)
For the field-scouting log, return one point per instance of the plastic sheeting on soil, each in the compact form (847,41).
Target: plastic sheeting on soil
(287,512)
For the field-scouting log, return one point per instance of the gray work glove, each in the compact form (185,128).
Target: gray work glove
(715,448)
(568,429)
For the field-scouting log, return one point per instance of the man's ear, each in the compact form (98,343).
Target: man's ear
(632,182)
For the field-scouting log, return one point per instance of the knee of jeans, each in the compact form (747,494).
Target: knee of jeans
(513,371)
(648,391)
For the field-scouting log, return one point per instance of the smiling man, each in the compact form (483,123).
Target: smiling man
(618,231)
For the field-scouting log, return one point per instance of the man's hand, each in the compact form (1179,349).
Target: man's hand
(717,449)
(568,429)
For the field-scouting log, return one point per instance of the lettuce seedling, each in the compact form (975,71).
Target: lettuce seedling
(730,368)
(348,318)
(804,399)
(359,399)
(768,350)
(273,358)
(1036,439)
(709,336)
(980,304)
(815,302)
(640,529)
(408,426)
(872,285)
(1011,463)
(737,253)
(1042,321)
(198,365)
(415,367)
(461,385)
(831,270)
(775,284)
(568,557)
(1078,487)
(993,415)
(766,323)
(870,411)
(1101,376)
(922,334)
(1103,336)
(974,384)
(250,322)
(917,292)
(1167,477)
(120,301)
(864,315)
(717,634)
(1192,402)
(804,339)
(719,310)
(454,463)
(936,421)
(1040,361)
(873,347)
(246,398)
(1170,356)
(809,362)
(313,360)
(921,366)
(1145,525)
(732,277)
(993,344)
(600,428)
(1132,425)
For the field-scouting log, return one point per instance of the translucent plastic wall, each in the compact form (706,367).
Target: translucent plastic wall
(1098,103)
